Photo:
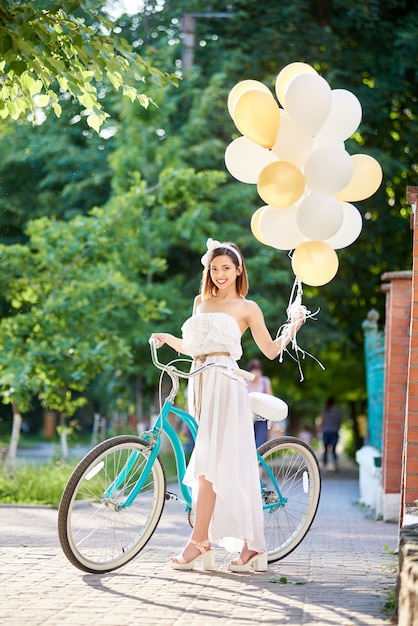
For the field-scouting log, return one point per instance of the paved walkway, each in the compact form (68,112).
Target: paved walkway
(341,575)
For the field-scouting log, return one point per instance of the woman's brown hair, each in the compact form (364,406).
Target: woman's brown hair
(208,288)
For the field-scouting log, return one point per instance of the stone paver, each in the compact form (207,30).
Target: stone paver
(341,574)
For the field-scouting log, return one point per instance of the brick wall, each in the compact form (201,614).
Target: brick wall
(397,330)
(410,450)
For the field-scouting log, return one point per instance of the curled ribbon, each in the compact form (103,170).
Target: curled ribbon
(295,312)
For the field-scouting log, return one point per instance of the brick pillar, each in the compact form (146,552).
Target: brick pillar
(398,318)
(409,503)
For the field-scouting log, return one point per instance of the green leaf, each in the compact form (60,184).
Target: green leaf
(42,100)
(6,43)
(33,86)
(283,580)
(13,109)
(89,101)
(57,109)
(18,67)
(95,121)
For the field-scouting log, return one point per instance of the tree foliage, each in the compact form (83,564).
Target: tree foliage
(81,294)
(48,48)
(161,170)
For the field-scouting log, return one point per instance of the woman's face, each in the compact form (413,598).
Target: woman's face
(223,271)
(257,372)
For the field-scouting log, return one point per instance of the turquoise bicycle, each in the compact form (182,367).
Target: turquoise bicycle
(114,498)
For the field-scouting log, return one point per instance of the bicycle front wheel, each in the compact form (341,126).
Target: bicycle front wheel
(99,528)
(291,487)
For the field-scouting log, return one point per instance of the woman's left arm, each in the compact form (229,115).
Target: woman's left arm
(270,347)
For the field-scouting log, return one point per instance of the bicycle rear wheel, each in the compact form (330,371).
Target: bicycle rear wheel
(98,529)
(290,495)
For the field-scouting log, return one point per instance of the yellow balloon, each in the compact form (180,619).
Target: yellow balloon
(257,117)
(255,225)
(287,74)
(241,88)
(315,263)
(365,181)
(280,184)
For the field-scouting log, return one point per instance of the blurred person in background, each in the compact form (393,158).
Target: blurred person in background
(329,425)
(261,384)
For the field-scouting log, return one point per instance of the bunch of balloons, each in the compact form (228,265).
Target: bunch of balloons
(295,154)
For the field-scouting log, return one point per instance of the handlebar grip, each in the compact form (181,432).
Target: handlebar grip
(244,374)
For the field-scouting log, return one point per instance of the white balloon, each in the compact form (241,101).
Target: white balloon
(245,159)
(319,142)
(319,216)
(292,143)
(328,169)
(308,102)
(279,228)
(350,228)
(344,117)
(287,74)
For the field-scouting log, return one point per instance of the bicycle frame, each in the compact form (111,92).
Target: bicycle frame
(162,425)
(153,438)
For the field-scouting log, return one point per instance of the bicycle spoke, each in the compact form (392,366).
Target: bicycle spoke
(99,530)
(290,494)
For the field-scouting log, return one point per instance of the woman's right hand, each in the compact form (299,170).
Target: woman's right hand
(159,338)
(170,340)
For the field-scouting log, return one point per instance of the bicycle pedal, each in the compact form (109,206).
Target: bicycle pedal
(170,496)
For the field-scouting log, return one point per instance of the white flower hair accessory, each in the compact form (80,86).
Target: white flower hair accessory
(213,244)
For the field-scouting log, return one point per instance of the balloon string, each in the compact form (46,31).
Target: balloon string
(287,332)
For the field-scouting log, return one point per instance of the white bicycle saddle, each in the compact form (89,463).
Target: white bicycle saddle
(266,407)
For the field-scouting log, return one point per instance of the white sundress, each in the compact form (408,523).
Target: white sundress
(225,450)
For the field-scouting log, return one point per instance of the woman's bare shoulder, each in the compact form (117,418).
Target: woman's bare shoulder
(251,307)
(197,301)
(248,311)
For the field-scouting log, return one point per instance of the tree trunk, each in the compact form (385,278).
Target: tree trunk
(14,440)
(139,401)
(63,439)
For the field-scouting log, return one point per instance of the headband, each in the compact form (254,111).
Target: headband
(212,245)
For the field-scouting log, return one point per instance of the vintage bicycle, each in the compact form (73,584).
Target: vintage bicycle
(115,496)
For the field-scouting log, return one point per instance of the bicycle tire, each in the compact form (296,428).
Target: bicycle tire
(97,535)
(296,471)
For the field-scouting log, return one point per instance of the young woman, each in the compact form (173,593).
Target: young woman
(223,469)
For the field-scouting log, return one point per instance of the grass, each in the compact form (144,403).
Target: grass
(41,484)
(44,484)
(390,606)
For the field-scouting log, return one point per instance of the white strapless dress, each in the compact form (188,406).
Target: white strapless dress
(225,450)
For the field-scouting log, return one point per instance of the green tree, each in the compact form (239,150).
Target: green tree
(64,328)
(368,48)
(69,47)
(57,169)
(81,294)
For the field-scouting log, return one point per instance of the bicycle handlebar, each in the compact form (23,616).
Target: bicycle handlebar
(170,369)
